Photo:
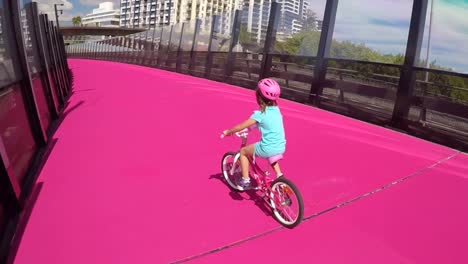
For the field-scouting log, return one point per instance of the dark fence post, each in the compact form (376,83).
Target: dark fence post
(63,55)
(60,61)
(109,49)
(65,60)
(194,43)
(179,59)
(134,56)
(166,63)
(151,53)
(10,199)
(101,50)
(30,103)
(11,189)
(39,35)
(209,56)
(230,61)
(105,49)
(158,59)
(58,72)
(115,48)
(143,46)
(125,44)
(136,47)
(96,50)
(408,74)
(121,49)
(45,24)
(93,49)
(122,52)
(146,47)
(323,51)
(270,39)
(128,41)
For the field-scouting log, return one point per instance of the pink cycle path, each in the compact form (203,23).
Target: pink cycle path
(135,178)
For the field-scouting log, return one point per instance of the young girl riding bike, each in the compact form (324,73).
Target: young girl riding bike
(270,123)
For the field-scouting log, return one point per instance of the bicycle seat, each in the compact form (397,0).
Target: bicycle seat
(275,158)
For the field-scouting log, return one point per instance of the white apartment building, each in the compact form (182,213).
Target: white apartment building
(293,15)
(255,16)
(103,16)
(256,13)
(156,13)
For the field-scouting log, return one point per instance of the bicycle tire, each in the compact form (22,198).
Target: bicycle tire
(231,182)
(276,213)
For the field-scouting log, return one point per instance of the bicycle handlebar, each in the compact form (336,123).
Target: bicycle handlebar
(243,131)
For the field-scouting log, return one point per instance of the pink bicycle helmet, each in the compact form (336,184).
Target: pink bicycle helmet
(269,88)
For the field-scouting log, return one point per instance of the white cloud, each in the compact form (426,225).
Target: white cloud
(383,9)
(357,22)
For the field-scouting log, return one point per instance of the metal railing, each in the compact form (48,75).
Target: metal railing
(35,83)
(393,95)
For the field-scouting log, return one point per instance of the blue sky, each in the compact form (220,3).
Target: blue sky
(380,24)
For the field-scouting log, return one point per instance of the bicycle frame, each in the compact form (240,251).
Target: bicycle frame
(260,176)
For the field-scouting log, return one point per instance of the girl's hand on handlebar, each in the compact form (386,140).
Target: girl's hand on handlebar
(225,133)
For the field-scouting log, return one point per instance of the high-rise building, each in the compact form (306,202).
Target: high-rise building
(255,16)
(293,15)
(155,13)
(103,16)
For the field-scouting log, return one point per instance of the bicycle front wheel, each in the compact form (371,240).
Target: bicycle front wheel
(286,202)
(231,170)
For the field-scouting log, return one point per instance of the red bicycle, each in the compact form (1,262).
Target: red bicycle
(281,195)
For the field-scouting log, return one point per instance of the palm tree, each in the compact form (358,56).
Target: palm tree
(76,21)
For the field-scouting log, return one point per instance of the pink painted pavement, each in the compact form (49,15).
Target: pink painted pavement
(134,178)
(422,220)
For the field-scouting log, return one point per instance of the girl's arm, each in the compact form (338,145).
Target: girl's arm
(247,123)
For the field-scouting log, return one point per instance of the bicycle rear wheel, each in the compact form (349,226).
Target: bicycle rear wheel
(286,202)
(226,165)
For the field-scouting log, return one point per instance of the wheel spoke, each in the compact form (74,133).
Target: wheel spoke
(231,171)
(290,215)
(283,193)
(283,210)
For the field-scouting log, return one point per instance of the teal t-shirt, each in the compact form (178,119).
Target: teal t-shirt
(270,124)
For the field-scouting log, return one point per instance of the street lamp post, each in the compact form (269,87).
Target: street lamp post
(56,13)
(429,41)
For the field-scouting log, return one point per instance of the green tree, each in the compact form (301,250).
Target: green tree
(248,40)
(309,22)
(76,21)
(306,43)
